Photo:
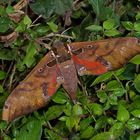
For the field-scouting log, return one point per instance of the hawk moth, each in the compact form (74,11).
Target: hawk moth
(62,65)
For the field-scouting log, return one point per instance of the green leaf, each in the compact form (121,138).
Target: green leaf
(135,59)
(113,85)
(15,132)
(42,30)
(85,123)
(6,54)
(47,7)
(119,71)
(109,24)
(101,123)
(87,132)
(21,27)
(68,109)
(133,124)
(2,74)
(112,32)
(122,114)
(20,66)
(102,78)
(94,28)
(30,53)
(138,16)
(117,129)
(70,122)
(2,10)
(136,113)
(9,9)
(61,129)
(32,129)
(137,26)
(132,94)
(77,110)
(61,6)
(103,136)
(6,137)
(110,121)
(54,112)
(106,13)
(113,99)
(137,82)
(116,87)
(3,125)
(136,103)
(102,12)
(128,25)
(27,20)
(5,24)
(129,73)
(97,6)
(134,136)
(76,122)
(53,26)
(1,89)
(96,108)
(76,14)
(63,118)
(60,97)
(101,94)
(50,134)
(119,92)
(3,97)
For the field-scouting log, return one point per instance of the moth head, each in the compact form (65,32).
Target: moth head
(58,48)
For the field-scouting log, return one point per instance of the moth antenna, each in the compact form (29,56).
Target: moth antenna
(69,49)
(53,54)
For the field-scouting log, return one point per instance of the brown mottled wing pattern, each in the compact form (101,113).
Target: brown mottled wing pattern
(61,65)
(34,91)
(101,56)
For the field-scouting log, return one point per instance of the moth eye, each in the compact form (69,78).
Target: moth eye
(40,69)
(60,79)
(89,46)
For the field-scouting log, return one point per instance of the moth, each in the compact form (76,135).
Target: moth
(61,66)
